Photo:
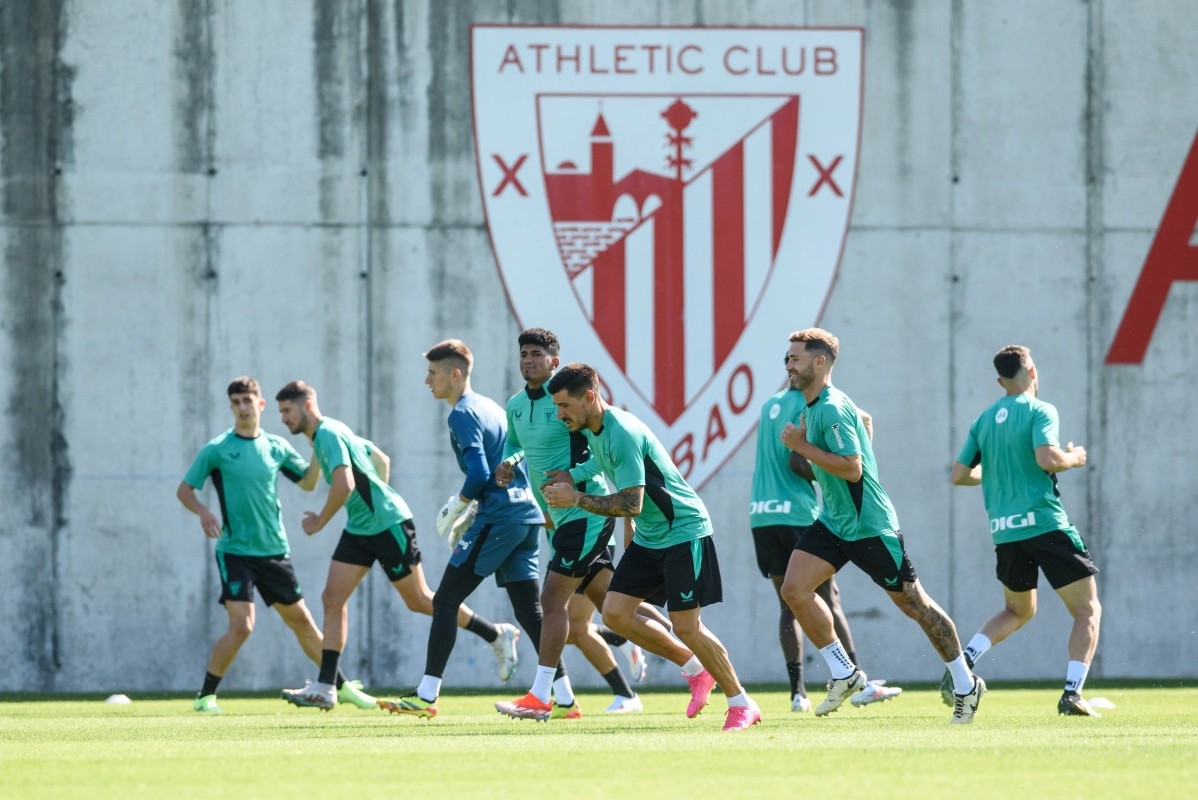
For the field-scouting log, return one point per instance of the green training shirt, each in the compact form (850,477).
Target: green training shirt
(852,510)
(628,453)
(547,444)
(245,474)
(373,506)
(779,496)
(1022,500)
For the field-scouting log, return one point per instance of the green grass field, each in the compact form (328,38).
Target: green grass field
(261,747)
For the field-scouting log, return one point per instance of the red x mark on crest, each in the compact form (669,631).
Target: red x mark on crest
(825,176)
(509,175)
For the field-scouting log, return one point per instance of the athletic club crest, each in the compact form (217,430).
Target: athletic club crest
(672,202)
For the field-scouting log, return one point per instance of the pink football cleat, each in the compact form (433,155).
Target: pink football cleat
(741,718)
(701,686)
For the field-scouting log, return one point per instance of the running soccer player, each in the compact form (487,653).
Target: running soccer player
(252,550)
(671,551)
(379,528)
(580,543)
(1014,452)
(502,537)
(782,503)
(857,524)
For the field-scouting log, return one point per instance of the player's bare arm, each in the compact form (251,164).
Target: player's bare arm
(339,492)
(867,422)
(966,476)
(844,467)
(208,521)
(1054,459)
(382,463)
(311,477)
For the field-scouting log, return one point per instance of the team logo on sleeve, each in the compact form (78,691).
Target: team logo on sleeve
(670,201)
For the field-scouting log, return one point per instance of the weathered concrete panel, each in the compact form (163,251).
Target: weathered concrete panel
(1019,134)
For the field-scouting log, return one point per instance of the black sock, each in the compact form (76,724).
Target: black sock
(483,628)
(341,679)
(210,683)
(329,665)
(611,637)
(794,669)
(618,683)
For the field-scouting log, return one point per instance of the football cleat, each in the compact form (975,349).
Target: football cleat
(946,689)
(624,705)
(411,704)
(638,666)
(741,718)
(351,693)
(1071,704)
(966,705)
(504,647)
(875,692)
(700,686)
(526,707)
(800,704)
(313,695)
(207,704)
(839,690)
(572,711)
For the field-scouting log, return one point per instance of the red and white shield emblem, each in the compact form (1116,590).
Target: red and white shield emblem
(672,202)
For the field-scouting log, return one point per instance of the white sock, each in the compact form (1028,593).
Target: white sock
(962,677)
(978,646)
(741,699)
(562,690)
(1075,677)
(541,683)
(429,688)
(839,663)
(692,668)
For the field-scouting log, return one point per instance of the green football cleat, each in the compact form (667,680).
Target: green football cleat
(410,704)
(207,704)
(572,711)
(351,692)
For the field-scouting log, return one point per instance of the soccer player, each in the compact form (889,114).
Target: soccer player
(671,551)
(580,543)
(502,538)
(379,528)
(857,524)
(1014,452)
(252,549)
(782,503)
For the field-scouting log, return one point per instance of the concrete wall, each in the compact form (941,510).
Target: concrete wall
(197,189)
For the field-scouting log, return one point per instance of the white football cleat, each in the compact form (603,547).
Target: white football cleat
(624,705)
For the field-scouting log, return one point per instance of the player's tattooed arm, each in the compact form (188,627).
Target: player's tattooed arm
(624,503)
(627,502)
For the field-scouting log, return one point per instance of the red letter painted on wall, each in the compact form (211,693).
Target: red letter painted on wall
(1171,258)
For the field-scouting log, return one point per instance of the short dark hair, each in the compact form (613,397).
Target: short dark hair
(454,350)
(542,338)
(296,390)
(575,378)
(244,384)
(818,339)
(1011,359)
